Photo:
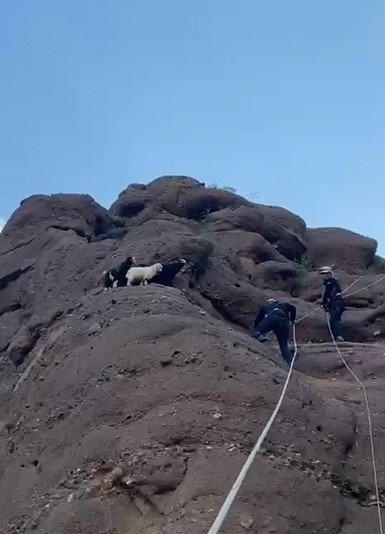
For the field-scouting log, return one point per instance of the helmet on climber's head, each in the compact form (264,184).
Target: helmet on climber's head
(271,301)
(326,272)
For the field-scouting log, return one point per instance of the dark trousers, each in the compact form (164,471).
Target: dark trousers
(336,309)
(279,325)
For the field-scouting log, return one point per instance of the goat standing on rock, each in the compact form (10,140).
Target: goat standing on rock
(142,275)
(165,276)
(116,277)
(169,272)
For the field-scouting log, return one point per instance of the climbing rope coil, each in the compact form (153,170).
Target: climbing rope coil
(223,512)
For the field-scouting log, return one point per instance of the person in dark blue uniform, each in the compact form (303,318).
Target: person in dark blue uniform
(276,317)
(332,301)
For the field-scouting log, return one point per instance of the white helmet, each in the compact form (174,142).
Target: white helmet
(326,269)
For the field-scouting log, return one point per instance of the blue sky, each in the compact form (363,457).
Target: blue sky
(283,98)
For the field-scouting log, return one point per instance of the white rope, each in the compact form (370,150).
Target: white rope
(319,307)
(352,284)
(343,292)
(366,287)
(222,514)
(237,484)
(6,387)
(308,314)
(362,385)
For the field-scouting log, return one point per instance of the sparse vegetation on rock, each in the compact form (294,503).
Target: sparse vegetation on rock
(131,411)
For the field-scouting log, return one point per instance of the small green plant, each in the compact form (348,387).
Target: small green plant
(253,196)
(230,189)
(267,447)
(349,485)
(114,233)
(377,267)
(302,266)
(306,262)
(352,487)
(300,271)
(225,188)
(198,227)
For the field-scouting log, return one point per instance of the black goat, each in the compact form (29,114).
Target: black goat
(116,277)
(169,272)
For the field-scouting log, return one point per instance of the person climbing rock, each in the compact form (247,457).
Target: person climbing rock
(276,317)
(332,301)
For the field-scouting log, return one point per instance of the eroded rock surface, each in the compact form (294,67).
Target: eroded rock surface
(133,410)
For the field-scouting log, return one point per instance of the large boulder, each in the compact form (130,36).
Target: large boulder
(201,202)
(231,294)
(180,195)
(247,244)
(246,218)
(165,238)
(217,208)
(275,275)
(284,218)
(252,219)
(165,193)
(78,213)
(340,248)
(51,271)
(134,199)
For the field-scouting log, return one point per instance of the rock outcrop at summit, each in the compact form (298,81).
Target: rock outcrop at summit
(131,411)
(346,250)
(79,213)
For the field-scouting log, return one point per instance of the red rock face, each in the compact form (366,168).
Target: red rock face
(346,250)
(132,410)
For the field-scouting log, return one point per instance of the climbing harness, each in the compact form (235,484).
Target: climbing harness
(343,293)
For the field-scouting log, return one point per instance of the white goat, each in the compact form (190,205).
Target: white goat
(141,275)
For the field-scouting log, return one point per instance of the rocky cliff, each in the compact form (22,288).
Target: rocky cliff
(132,410)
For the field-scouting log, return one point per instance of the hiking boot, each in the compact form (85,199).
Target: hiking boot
(340,339)
(261,338)
(286,365)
